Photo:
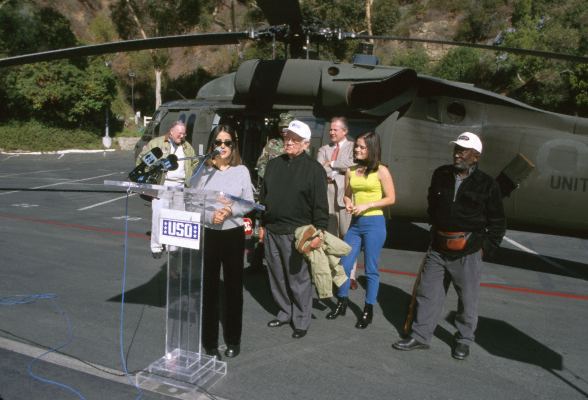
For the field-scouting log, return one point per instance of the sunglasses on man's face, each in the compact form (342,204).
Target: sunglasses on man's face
(227,143)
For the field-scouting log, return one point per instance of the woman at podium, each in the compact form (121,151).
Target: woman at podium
(224,242)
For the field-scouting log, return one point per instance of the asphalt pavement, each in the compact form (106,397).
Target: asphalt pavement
(65,238)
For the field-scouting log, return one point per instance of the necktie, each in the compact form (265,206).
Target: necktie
(335,152)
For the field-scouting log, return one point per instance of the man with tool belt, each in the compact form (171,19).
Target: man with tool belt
(467,218)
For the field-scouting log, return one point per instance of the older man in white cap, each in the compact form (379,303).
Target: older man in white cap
(294,192)
(467,222)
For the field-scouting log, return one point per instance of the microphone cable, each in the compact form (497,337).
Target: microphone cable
(31,298)
(122,300)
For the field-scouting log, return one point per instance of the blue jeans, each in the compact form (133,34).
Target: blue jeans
(371,232)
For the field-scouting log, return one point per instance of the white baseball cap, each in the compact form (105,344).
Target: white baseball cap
(300,129)
(469,140)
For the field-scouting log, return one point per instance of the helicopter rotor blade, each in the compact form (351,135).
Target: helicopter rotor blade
(202,39)
(514,50)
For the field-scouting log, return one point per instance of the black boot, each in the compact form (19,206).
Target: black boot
(366,317)
(340,309)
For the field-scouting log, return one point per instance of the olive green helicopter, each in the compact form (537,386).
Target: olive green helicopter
(541,154)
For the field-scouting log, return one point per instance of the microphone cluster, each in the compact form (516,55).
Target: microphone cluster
(152,166)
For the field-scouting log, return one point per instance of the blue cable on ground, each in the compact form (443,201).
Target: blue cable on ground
(122,300)
(31,298)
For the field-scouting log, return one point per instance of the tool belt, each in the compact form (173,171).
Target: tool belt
(452,241)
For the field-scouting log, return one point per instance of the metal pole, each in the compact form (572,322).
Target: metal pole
(132,76)
(107,140)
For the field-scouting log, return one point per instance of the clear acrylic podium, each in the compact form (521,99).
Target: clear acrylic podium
(184,367)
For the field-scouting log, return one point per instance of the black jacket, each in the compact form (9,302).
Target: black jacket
(294,192)
(477,209)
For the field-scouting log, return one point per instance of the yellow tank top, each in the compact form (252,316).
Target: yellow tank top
(366,190)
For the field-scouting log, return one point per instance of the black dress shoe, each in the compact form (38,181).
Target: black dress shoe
(340,309)
(275,323)
(409,344)
(212,352)
(299,333)
(460,351)
(232,350)
(366,317)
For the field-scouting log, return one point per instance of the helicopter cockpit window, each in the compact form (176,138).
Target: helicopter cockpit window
(190,127)
(433,110)
(456,112)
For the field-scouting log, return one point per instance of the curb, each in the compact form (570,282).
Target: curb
(27,153)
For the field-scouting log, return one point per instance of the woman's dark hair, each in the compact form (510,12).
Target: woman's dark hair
(374,151)
(235,158)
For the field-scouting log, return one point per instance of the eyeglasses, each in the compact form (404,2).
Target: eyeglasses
(227,143)
(293,138)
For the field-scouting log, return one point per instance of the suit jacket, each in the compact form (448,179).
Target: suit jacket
(337,172)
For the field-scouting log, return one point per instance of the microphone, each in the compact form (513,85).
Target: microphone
(152,156)
(170,163)
(212,154)
(215,152)
(148,159)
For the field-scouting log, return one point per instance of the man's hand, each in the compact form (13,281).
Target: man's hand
(349,207)
(316,243)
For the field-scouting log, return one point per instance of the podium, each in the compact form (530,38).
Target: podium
(183,367)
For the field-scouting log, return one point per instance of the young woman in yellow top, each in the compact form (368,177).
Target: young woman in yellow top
(368,188)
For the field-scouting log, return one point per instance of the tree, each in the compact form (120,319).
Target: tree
(66,92)
(149,18)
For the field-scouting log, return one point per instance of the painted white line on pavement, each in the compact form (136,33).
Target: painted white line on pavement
(545,259)
(105,202)
(63,183)
(62,152)
(33,172)
(64,361)
(86,367)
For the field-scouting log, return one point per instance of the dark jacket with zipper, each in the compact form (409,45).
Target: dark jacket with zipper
(477,208)
(294,192)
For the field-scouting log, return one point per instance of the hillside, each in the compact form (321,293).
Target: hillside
(430,23)
(541,25)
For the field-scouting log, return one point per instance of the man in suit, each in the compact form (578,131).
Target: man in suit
(335,158)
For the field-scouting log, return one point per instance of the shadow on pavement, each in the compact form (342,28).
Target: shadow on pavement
(151,293)
(404,235)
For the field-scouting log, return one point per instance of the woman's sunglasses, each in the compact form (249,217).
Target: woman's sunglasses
(227,143)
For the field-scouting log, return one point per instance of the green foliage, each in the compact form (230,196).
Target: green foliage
(461,64)
(481,21)
(415,58)
(348,15)
(521,10)
(385,15)
(157,18)
(451,6)
(102,29)
(35,136)
(59,92)
(62,93)
(578,80)
(25,29)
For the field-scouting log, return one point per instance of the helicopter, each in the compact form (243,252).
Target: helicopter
(541,154)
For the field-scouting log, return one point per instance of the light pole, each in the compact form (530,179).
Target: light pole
(132,76)
(107,140)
